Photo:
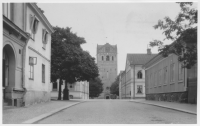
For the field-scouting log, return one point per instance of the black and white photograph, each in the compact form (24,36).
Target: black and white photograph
(99,62)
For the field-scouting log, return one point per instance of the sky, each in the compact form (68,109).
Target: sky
(127,25)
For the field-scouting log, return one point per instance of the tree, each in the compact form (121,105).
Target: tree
(95,87)
(114,89)
(183,31)
(69,61)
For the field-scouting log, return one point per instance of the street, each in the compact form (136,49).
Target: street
(118,112)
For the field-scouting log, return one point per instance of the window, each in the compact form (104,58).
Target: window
(155,75)
(165,75)
(43,73)
(6,10)
(180,71)
(139,89)
(71,86)
(55,86)
(112,58)
(31,71)
(151,81)
(102,58)
(159,77)
(33,25)
(147,81)
(139,75)
(44,38)
(107,58)
(172,72)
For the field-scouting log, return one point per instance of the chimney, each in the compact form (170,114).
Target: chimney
(149,51)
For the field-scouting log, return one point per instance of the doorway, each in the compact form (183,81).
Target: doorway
(107,97)
(8,70)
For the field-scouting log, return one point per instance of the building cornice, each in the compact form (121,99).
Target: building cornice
(36,9)
(15,28)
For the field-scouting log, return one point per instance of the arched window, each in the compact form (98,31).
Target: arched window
(102,58)
(139,75)
(107,58)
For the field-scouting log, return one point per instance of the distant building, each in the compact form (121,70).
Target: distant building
(26,54)
(133,78)
(120,84)
(78,90)
(107,64)
(166,80)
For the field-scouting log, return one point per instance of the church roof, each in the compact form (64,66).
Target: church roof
(139,58)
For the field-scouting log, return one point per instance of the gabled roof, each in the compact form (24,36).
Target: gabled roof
(139,58)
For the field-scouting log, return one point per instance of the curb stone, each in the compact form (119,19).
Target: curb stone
(38,118)
(181,110)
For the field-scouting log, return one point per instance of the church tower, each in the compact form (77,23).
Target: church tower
(107,64)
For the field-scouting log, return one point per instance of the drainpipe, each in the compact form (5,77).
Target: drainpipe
(23,67)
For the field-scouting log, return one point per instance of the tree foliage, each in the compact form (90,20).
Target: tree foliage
(95,87)
(183,32)
(69,61)
(114,89)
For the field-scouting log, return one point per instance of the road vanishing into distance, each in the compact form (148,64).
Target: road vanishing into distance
(118,112)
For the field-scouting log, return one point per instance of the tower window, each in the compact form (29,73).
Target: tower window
(139,75)
(102,58)
(112,58)
(107,58)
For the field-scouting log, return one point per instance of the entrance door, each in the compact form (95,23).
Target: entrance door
(107,97)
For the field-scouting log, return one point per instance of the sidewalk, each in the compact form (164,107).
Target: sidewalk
(16,115)
(183,107)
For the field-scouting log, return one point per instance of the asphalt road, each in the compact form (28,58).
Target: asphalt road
(118,112)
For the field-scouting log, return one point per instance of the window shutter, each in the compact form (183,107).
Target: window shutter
(36,26)
(43,35)
(31,22)
(47,37)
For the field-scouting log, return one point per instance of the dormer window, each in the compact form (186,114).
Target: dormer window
(44,38)
(33,25)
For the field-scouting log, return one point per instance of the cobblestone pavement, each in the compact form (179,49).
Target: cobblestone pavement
(118,112)
(14,115)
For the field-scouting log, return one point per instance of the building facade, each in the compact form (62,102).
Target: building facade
(120,84)
(107,64)
(78,90)
(167,80)
(26,54)
(133,78)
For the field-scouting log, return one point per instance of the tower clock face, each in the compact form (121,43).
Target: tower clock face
(107,49)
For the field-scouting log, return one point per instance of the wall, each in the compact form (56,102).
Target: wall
(79,90)
(129,81)
(161,87)
(139,82)
(37,91)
